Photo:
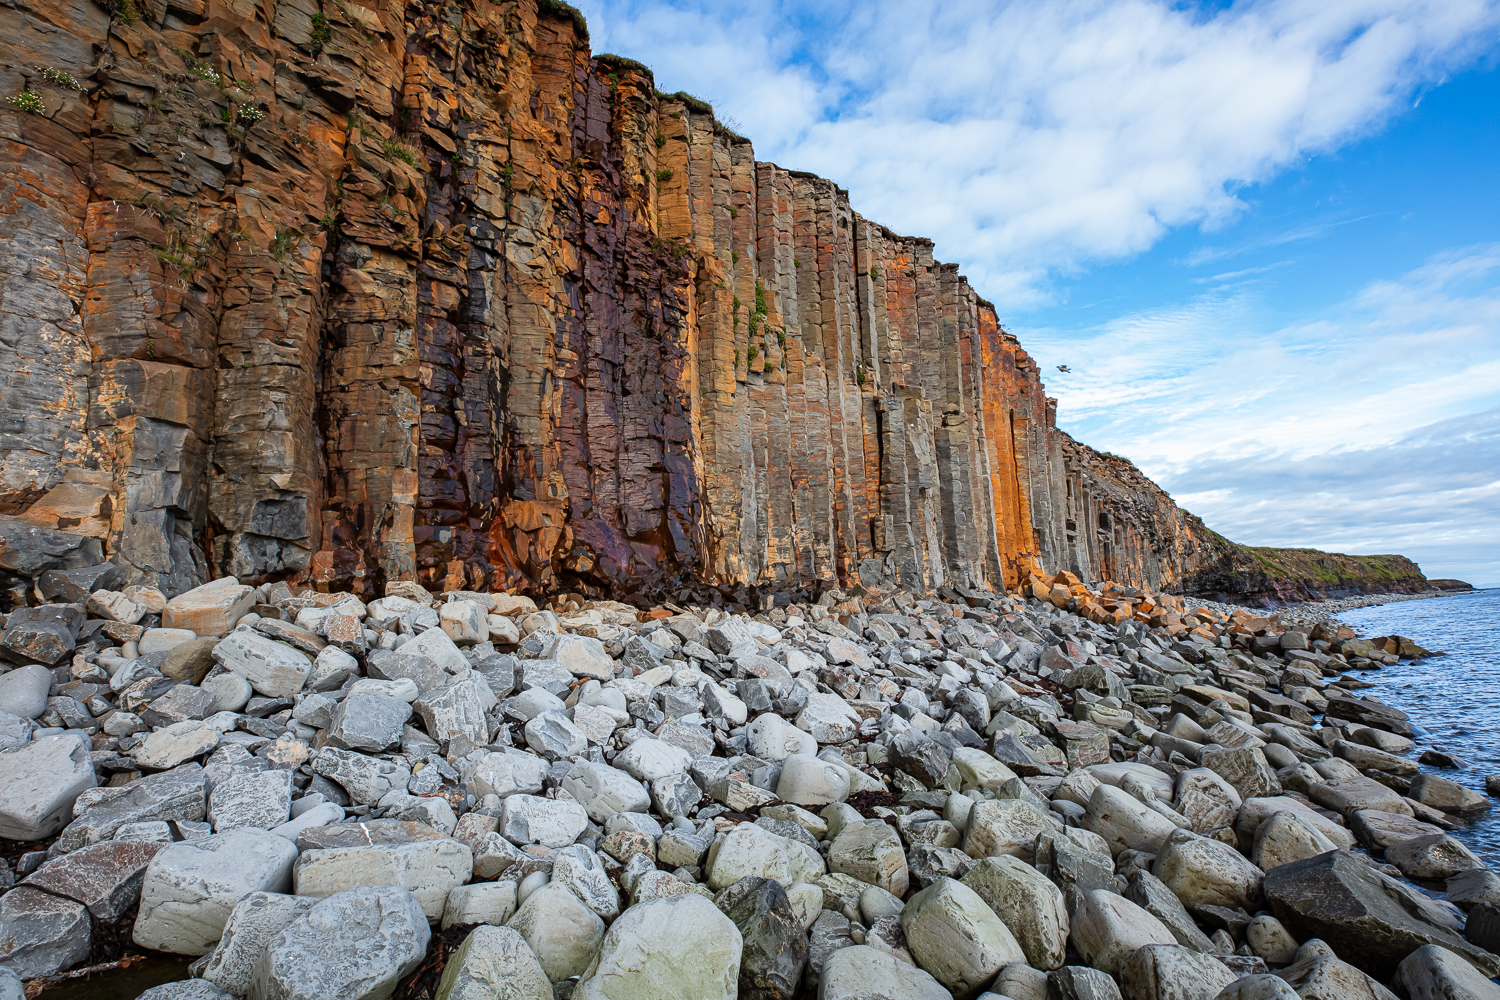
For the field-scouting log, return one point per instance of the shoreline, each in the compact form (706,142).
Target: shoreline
(1313,612)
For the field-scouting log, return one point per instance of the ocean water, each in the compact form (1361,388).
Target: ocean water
(1453,700)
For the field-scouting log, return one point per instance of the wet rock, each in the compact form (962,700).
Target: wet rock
(1449,796)
(39,784)
(190,888)
(358,943)
(1029,905)
(1434,857)
(1368,918)
(774,943)
(494,962)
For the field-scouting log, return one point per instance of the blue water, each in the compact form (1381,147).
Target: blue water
(1454,700)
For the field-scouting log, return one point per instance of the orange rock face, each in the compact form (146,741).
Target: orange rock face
(381,292)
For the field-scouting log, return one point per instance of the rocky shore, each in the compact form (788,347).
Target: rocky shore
(1312,612)
(1063,794)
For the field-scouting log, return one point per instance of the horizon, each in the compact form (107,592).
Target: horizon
(1257,233)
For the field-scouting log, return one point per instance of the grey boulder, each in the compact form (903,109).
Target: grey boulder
(354,945)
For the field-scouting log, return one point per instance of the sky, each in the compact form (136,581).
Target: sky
(1264,236)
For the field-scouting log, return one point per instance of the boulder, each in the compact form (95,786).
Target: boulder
(366,779)
(39,783)
(775,945)
(1106,928)
(870,851)
(807,781)
(481,903)
(1147,891)
(23,691)
(190,888)
(1029,905)
(358,944)
(210,610)
(1434,973)
(1258,987)
(1202,871)
(1269,939)
(1125,822)
(175,744)
(273,669)
(1006,826)
(505,773)
(178,794)
(1370,919)
(253,923)
(956,937)
(770,737)
(1317,976)
(679,947)
(1172,972)
(428,868)
(562,932)
(259,799)
(42,934)
(1285,837)
(494,962)
(863,973)
(531,819)
(1449,796)
(106,878)
(368,723)
(457,709)
(1077,982)
(580,869)
(753,850)
(603,790)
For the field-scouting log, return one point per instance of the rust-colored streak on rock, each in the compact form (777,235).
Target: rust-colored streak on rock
(435,294)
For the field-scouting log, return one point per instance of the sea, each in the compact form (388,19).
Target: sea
(1454,699)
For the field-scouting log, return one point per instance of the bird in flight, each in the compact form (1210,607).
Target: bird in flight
(1064,368)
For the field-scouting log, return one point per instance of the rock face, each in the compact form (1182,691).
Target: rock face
(759,386)
(1370,919)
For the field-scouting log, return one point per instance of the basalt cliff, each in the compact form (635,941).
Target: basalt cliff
(350,292)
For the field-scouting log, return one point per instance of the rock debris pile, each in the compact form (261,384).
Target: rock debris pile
(1076,794)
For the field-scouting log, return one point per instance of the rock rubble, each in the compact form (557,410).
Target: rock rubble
(1074,792)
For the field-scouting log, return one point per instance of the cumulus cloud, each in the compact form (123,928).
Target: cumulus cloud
(1031,137)
(1373,426)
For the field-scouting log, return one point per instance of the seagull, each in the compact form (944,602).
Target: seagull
(1064,368)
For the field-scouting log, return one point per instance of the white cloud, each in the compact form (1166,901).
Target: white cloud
(1373,427)
(1030,137)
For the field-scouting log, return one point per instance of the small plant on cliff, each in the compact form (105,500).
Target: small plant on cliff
(249,115)
(394,150)
(322,33)
(58,78)
(760,298)
(874,272)
(29,101)
(661,140)
(123,9)
(150,348)
(781,339)
(204,71)
(752,354)
(859,374)
(663,175)
(734,213)
(734,257)
(283,242)
(796,261)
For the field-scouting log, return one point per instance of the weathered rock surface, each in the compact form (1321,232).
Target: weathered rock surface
(358,943)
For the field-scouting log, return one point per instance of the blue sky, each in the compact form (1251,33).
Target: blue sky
(1265,236)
